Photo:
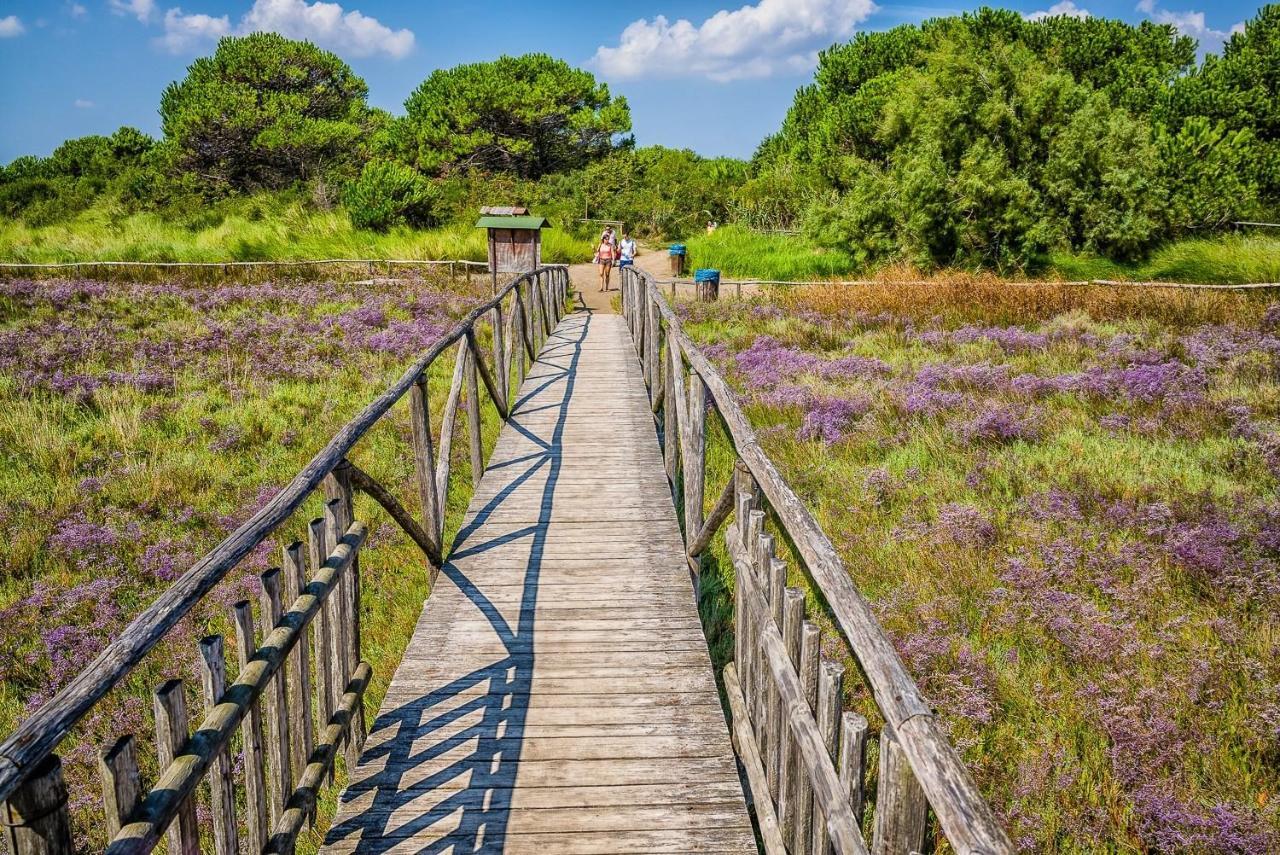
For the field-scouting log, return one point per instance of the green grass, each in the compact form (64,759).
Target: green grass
(741,253)
(257,229)
(1227,259)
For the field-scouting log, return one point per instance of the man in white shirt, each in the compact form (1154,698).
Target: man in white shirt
(627,251)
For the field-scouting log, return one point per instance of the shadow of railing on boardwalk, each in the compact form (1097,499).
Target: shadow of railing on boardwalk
(480,782)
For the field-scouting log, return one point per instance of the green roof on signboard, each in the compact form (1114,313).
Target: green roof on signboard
(512,223)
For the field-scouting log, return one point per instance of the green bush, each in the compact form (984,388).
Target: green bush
(389,194)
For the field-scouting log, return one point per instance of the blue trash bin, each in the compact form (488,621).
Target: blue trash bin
(677,253)
(707,283)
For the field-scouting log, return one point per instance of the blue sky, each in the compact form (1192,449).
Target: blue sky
(712,76)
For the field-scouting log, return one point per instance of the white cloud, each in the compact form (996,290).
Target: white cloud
(1065,7)
(352,33)
(183,32)
(348,33)
(82,104)
(10,26)
(1189,24)
(753,41)
(77,11)
(140,9)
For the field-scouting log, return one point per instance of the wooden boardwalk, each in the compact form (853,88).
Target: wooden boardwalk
(557,695)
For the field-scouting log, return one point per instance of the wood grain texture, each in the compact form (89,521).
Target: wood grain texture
(121,786)
(557,687)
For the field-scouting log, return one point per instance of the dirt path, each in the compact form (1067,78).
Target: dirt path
(585,279)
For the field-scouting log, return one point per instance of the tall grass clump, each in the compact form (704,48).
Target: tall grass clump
(1228,259)
(740,252)
(1061,503)
(262,228)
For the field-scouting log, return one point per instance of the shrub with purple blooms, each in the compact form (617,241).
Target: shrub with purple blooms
(143,423)
(1061,502)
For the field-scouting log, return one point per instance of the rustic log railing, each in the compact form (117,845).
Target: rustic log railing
(804,757)
(298,695)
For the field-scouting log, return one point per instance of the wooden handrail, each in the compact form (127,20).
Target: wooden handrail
(34,739)
(965,817)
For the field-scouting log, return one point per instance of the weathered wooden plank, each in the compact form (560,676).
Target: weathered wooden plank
(562,632)
(745,744)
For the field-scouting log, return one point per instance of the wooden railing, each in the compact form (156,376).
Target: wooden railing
(297,697)
(804,757)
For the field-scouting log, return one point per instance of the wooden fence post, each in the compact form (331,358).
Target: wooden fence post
(695,456)
(473,421)
(172,733)
(277,705)
(298,668)
(853,759)
(255,776)
(121,783)
(424,460)
(223,801)
(830,694)
(35,816)
(901,809)
(789,764)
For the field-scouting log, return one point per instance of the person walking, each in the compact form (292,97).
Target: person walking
(626,251)
(606,255)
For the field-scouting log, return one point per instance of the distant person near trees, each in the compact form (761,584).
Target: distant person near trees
(626,251)
(606,255)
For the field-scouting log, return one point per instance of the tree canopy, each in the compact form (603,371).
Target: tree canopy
(263,112)
(528,115)
(991,139)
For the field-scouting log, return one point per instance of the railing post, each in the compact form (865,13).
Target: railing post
(255,789)
(337,487)
(121,784)
(424,461)
(502,379)
(278,703)
(900,803)
(223,797)
(298,666)
(695,437)
(35,816)
(172,733)
(473,421)
(651,365)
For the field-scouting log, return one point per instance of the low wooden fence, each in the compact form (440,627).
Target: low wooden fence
(368,266)
(738,284)
(297,697)
(803,756)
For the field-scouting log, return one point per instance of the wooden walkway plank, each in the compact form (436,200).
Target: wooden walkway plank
(557,694)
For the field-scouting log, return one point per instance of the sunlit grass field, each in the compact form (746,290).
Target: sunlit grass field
(1061,502)
(1245,257)
(141,423)
(251,230)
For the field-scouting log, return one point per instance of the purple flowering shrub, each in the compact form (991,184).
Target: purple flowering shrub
(151,420)
(1062,507)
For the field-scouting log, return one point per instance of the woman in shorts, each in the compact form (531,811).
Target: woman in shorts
(606,255)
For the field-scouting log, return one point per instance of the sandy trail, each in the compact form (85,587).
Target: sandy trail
(585,279)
